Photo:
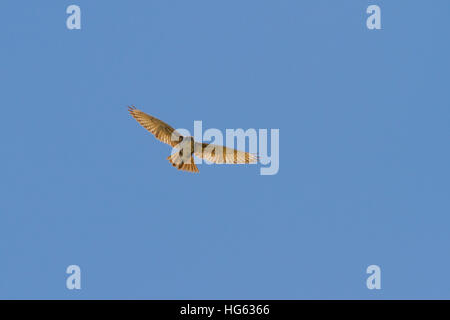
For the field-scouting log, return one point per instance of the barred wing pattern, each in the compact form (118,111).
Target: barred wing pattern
(162,131)
(220,154)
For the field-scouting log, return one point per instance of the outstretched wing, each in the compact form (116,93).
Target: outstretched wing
(220,154)
(162,131)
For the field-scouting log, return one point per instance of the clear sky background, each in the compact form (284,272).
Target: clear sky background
(364,149)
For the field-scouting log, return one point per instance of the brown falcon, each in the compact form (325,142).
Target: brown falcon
(183,159)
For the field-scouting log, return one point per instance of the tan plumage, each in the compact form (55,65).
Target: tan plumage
(211,152)
(162,131)
(220,154)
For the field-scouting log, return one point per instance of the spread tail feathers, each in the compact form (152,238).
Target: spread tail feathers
(177,161)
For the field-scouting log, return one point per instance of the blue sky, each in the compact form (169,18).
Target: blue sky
(364,157)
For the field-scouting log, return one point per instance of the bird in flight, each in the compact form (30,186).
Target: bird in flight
(183,159)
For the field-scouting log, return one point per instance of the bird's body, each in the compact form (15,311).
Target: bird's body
(183,159)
